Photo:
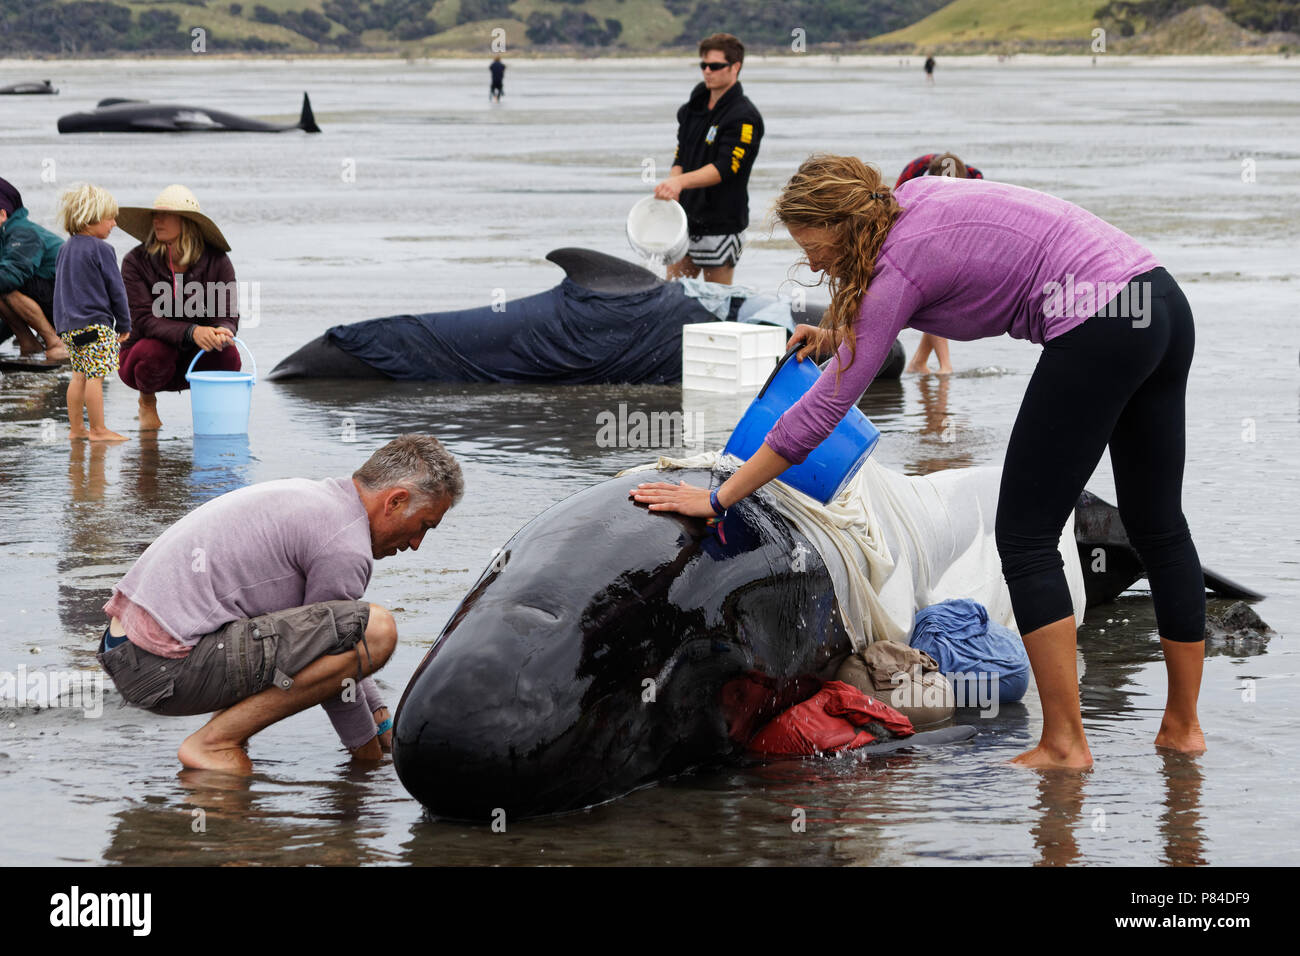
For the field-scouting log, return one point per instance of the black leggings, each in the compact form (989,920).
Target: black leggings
(1117,380)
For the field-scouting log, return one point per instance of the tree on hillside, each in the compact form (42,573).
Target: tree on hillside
(823,21)
(1261,15)
(575,27)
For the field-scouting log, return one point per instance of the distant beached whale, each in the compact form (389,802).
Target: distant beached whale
(608,322)
(28,88)
(116,115)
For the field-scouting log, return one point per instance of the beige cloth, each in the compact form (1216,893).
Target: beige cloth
(905,678)
(894,544)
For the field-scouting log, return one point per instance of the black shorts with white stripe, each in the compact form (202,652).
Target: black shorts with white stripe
(708,252)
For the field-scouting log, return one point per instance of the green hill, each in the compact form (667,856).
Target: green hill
(992,22)
(82,28)
(1131,26)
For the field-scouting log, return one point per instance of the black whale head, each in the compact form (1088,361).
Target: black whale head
(608,647)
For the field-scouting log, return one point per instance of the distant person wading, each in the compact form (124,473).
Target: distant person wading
(497,89)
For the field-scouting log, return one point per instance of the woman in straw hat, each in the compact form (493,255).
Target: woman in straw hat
(181,289)
(965,259)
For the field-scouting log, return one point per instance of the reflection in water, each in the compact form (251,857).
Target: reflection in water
(119,497)
(222,463)
(89,520)
(939,427)
(223,821)
(1059,808)
(1180,821)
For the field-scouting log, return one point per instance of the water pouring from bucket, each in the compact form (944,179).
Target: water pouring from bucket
(221,400)
(656,230)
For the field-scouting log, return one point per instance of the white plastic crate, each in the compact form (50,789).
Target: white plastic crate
(730,356)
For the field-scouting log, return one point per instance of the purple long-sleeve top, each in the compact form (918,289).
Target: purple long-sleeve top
(268,547)
(968,258)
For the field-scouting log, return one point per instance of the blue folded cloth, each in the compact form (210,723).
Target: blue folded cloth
(959,635)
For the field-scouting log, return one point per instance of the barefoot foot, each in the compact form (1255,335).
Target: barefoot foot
(106,434)
(1073,757)
(56,354)
(1186,739)
(75,433)
(197,754)
(149,420)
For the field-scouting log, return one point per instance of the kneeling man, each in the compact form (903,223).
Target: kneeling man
(251,604)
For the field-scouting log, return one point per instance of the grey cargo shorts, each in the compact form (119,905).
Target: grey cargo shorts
(237,660)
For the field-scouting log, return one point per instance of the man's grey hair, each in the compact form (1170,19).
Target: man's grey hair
(418,463)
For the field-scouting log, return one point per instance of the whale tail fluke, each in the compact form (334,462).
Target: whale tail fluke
(307,122)
(1110,562)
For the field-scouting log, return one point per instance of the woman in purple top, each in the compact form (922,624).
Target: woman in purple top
(966,258)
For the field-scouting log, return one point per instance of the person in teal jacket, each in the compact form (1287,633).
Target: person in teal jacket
(28,254)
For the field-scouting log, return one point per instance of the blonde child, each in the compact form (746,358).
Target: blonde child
(90,310)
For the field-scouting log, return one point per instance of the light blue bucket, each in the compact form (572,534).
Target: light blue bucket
(829,466)
(221,400)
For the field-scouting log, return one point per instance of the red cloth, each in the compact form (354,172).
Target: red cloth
(829,721)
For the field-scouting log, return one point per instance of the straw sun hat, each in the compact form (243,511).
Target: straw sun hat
(137,221)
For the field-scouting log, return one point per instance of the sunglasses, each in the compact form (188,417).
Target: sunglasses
(713,66)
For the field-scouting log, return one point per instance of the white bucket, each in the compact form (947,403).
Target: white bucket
(656,230)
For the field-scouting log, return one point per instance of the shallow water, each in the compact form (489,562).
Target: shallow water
(453,199)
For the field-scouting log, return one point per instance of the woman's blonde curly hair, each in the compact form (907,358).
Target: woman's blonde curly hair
(847,197)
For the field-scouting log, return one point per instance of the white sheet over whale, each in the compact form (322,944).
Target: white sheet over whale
(894,544)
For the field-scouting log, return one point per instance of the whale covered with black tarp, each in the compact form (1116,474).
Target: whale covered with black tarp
(607,322)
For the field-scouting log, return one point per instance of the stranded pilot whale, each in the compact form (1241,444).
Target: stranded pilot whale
(608,322)
(607,647)
(28,88)
(117,115)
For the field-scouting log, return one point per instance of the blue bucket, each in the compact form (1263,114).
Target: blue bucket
(221,400)
(829,466)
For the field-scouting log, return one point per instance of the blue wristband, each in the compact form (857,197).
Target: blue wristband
(717,506)
(384,728)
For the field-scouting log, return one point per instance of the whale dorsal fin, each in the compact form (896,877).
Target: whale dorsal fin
(601,273)
(115,101)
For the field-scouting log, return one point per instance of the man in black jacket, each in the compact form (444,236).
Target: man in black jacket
(718,132)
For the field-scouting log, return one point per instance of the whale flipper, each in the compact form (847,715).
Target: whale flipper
(602,273)
(924,738)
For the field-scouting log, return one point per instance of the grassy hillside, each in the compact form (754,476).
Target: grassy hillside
(991,22)
(594,27)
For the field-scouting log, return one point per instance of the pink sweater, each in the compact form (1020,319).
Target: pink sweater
(968,258)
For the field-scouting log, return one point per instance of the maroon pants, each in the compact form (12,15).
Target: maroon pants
(151,365)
